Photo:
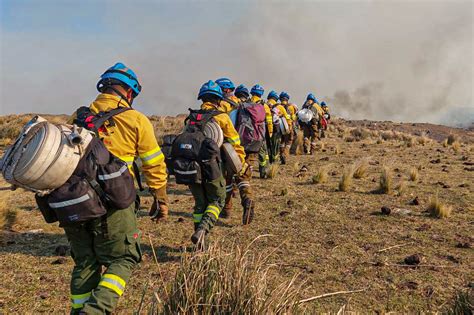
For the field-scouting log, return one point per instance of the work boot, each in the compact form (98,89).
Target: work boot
(282,160)
(198,237)
(226,211)
(248,211)
(263,172)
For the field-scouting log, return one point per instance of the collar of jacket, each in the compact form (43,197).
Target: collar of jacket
(271,101)
(209,106)
(105,102)
(255,99)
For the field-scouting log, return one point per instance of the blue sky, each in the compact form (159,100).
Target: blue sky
(53,51)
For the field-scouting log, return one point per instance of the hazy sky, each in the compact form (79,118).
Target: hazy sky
(398,60)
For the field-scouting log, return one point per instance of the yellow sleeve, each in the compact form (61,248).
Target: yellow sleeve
(268,119)
(231,135)
(225,107)
(293,112)
(284,113)
(153,160)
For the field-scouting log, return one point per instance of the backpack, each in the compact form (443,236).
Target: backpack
(276,117)
(250,125)
(195,157)
(99,183)
(95,122)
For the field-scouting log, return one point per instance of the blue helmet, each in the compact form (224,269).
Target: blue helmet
(273,95)
(323,104)
(225,83)
(242,90)
(257,90)
(120,74)
(284,95)
(311,97)
(210,87)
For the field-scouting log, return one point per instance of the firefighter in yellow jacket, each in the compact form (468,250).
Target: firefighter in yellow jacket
(105,249)
(229,101)
(311,128)
(279,113)
(210,196)
(263,158)
(291,110)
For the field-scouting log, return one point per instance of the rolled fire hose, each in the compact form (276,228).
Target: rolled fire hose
(232,160)
(213,131)
(44,156)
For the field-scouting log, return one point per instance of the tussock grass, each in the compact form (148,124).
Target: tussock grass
(413,174)
(423,139)
(296,166)
(438,209)
(272,170)
(337,149)
(445,143)
(451,139)
(345,182)
(223,280)
(386,181)
(321,175)
(298,144)
(463,303)
(410,142)
(456,145)
(401,188)
(360,168)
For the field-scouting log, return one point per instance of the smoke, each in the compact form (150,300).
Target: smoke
(403,61)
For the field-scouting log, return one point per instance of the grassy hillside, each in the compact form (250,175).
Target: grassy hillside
(322,219)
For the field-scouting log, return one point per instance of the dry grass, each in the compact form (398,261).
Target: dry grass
(223,280)
(360,168)
(296,166)
(451,139)
(337,149)
(401,188)
(321,175)
(297,145)
(463,303)
(456,145)
(272,170)
(359,134)
(345,182)
(410,142)
(438,209)
(386,181)
(423,139)
(445,143)
(413,174)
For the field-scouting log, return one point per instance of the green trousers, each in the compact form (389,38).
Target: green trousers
(209,199)
(112,243)
(263,160)
(274,150)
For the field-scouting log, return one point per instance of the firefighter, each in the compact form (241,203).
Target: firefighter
(278,113)
(105,249)
(209,197)
(242,93)
(263,158)
(311,128)
(324,119)
(229,101)
(291,109)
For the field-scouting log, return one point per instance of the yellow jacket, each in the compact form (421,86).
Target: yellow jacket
(230,134)
(227,107)
(291,109)
(309,104)
(268,113)
(325,109)
(132,136)
(281,111)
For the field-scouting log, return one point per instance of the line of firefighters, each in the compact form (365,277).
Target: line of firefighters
(106,249)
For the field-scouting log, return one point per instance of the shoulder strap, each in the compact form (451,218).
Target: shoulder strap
(231,102)
(102,117)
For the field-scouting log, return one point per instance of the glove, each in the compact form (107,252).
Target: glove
(159,208)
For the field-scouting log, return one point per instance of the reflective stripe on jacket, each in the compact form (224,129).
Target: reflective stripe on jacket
(132,136)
